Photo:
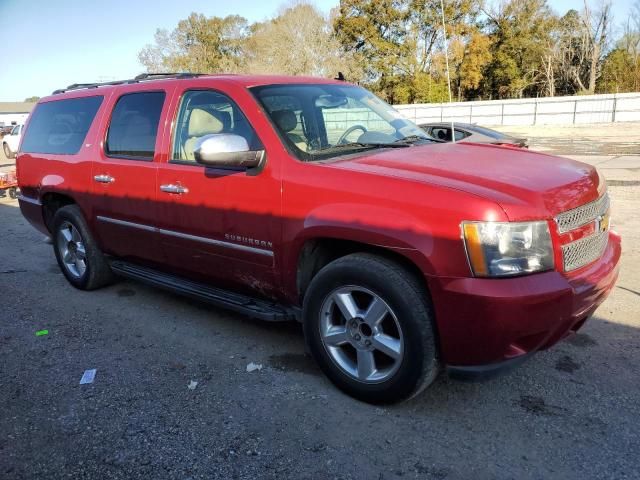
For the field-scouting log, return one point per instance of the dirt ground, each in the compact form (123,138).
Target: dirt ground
(593,139)
(571,412)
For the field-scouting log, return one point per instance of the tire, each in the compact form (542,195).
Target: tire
(13,193)
(7,151)
(78,256)
(387,350)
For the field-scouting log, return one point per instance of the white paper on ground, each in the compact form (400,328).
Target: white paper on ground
(88,376)
(253,367)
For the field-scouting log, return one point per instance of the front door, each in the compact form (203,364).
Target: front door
(124,177)
(215,224)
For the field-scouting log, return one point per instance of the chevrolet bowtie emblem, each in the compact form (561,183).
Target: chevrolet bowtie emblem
(602,223)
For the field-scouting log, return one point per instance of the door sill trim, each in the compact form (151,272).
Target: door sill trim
(244,304)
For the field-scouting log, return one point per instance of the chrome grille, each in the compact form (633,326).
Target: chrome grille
(572,219)
(584,251)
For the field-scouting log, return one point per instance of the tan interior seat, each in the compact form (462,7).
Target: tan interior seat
(201,123)
(287,121)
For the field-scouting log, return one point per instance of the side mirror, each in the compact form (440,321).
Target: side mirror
(226,150)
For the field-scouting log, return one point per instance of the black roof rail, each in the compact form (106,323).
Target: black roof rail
(152,76)
(139,78)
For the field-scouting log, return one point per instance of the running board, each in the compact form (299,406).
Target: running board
(252,307)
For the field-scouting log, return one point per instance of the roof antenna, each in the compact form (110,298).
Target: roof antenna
(446,56)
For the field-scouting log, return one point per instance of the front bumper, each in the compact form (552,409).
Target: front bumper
(484,324)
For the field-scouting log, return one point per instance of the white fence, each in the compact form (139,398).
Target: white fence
(621,107)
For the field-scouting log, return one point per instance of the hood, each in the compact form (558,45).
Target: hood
(527,185)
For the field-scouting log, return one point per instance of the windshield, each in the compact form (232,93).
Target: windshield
(327,120)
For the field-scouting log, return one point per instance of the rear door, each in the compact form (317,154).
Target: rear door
(124,174)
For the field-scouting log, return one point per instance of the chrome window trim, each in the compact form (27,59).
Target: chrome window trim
(34,201)
(219,243)
(173,233)
(124,223)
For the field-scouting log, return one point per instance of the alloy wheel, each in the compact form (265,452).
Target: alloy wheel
(361,334)
(72,250)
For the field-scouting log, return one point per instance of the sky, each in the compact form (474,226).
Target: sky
(52,44)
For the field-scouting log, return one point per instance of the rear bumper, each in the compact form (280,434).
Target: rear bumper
(31,209)
(488,324)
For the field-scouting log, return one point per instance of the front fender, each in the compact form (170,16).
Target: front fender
(382,227)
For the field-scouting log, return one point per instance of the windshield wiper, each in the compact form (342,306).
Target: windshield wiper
(415,138)
(351,145)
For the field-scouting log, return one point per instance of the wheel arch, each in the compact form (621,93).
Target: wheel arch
(51,203)
(317,252)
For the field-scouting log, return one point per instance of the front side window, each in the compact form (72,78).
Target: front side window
(320,121)
(206,112)
(60,126)
(134,126)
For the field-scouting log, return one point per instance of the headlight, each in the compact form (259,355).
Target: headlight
(498,249)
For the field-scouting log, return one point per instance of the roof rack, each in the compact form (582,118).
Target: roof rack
(139,78)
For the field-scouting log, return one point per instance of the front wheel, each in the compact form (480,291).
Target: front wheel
(368,324)
(7,151)
(13,193)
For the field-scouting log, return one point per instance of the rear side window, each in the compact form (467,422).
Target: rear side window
(60,127)
(134,125)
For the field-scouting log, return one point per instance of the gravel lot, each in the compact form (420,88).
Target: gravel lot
(571,412)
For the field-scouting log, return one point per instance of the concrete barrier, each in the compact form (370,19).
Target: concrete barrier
(609,108)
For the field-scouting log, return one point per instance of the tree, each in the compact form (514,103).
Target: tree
(299,41)
(621,66)
(511,49)
(520,33)
(375,31)
(33,99)
(399,42)
(198,44)
(597,24)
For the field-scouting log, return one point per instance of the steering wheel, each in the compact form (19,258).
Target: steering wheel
(348,131)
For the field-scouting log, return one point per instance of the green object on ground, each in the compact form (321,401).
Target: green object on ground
(40,333)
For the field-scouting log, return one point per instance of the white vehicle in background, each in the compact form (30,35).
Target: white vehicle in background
(11,141)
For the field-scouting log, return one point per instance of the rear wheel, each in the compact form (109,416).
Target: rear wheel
(7,151)
(13,193)
(368,324)
(79,258)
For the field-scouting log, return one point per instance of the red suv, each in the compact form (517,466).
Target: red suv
(310,199)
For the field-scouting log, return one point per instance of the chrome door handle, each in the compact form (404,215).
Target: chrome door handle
(172,188)
(104,178)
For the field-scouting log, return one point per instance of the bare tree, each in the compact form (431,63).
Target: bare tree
(298,41)
(597,25)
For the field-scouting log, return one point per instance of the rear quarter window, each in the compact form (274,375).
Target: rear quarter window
(61,126)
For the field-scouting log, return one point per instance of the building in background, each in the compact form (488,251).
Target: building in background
(14,113)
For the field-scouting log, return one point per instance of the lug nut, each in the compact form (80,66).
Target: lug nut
(358,338)
(368,343)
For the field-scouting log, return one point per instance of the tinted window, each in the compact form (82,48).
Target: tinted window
(60,127)
(205,112)
(134,125)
